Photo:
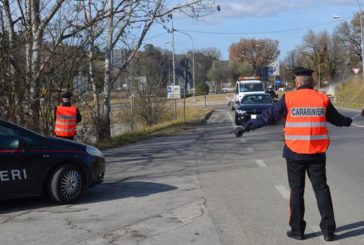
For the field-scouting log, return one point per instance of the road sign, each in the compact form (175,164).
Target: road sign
(356,70)
(273,69)
(173,92)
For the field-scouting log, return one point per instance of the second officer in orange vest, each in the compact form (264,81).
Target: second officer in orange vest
(305,113)
(67,117)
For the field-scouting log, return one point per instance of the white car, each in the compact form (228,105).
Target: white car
(245,86)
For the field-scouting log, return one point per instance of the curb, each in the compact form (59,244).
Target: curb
(204,119)
(348,109)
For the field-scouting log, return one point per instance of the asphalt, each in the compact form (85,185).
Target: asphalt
(203,186)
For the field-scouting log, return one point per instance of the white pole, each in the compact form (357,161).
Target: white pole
(361,39)
(319,70)
(173,65)
(174,70)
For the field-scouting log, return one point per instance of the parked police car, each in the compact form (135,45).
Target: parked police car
(251,105)
(32,164)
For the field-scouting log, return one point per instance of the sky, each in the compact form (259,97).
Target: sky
(286,21)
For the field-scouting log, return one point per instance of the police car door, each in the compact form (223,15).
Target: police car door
(12,175)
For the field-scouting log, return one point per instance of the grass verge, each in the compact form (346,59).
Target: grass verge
(193,118)
(350,94)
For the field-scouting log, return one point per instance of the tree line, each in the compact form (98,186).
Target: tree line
(45,44)
(333,54)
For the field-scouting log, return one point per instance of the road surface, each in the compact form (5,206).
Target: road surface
(202,186)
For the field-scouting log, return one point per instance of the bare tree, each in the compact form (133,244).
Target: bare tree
(150,103)
(348,33)
(134,19)
(326,53)
(259,52)
(35,32)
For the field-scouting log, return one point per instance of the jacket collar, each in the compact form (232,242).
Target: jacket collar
(305,87)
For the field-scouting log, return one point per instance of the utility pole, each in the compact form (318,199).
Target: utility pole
(173,66)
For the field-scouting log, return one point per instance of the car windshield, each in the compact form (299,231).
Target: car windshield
(251,87)
(257,99)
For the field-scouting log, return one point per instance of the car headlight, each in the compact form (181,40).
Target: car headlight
(240,112)
(93,151)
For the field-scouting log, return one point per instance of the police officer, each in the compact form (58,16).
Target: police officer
(305,112)
(67,117)
(271,92)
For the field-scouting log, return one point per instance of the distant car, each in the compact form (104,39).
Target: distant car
(244,86)
(32,164)
(251,105)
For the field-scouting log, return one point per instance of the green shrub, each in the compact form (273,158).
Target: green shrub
(202,89)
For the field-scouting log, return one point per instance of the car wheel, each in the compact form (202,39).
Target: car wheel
(66,184)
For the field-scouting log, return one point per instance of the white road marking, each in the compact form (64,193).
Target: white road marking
(317,229)
(357,125)
(249,149)
(261,163)
(354,124)
(283,191)
(356,116)
(231,119)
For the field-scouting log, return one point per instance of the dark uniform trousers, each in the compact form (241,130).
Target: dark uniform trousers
(316,171)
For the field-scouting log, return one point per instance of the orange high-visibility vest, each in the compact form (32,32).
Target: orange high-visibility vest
(305,130)
(65,121)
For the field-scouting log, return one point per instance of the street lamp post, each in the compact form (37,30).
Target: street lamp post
(173,54)
(193,61)
(361,39)
(318,66)
(173,65)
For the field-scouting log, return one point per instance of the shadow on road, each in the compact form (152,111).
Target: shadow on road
(118,190)
(345,231)
(351,230)
(100,193)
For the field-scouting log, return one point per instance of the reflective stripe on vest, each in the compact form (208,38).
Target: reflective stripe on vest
(305,124)
(66,117)
(64,130)
(305,137)
(65,123)
(305,130)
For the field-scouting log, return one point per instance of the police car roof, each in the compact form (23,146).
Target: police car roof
(249,81)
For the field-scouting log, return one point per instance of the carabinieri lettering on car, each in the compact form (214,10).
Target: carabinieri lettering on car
(308,112)
(13,174)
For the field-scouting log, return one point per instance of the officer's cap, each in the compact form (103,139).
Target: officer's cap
(300,71)
(67,95)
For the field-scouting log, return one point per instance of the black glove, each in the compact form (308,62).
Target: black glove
(348,122)
(239,131)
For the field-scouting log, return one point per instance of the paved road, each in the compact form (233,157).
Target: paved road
(199,187)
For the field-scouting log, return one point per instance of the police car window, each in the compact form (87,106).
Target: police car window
(32,140)
(7,131)
(251,87)
(9,138)
(257,99)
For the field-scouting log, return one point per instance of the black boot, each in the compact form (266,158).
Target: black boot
(329,237)
(297,236)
